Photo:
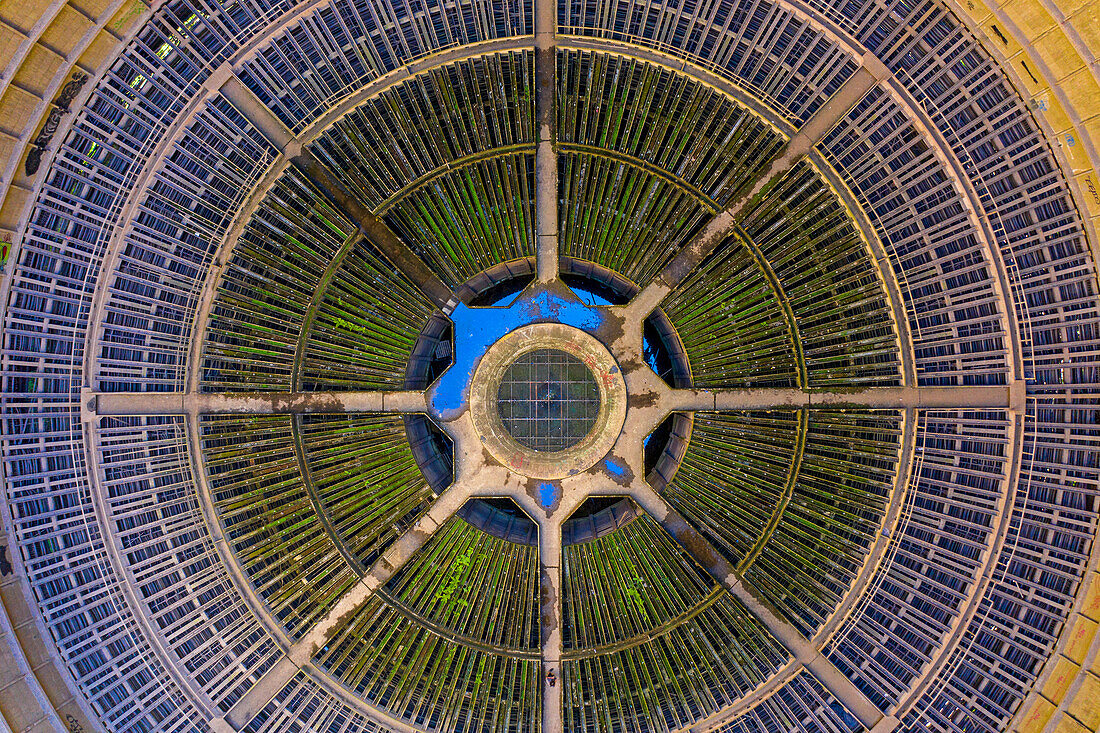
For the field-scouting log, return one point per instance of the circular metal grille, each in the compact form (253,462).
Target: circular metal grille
(548,400)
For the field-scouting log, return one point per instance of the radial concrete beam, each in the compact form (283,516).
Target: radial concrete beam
(473,478)
(724,223)
(299,656)
(667,400)
(722,570)
(373,228)
(262,691)
(253,110)
(260,403)
(546,158)
(384,568)
(926,398)
(827,673)
(574,491)
(652,400)
(550,614)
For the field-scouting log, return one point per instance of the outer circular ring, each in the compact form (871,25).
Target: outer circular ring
(486,415)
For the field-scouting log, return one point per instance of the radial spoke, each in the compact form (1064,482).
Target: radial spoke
(550,621)
(384,568)
(546,159)
(391,561)
(724,223)
(259,403)
(373,228)
(256,112)
(574,492)
(716,564)
(995,396)
(473,479)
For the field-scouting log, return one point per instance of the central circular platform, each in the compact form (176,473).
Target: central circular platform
(548,400)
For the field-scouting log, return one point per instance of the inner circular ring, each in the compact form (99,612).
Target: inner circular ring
(542,452)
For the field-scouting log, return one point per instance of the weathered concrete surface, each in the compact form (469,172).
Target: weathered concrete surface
(869,397)
(253,701)
(649,400)
(716,564)
(230,403)
(449,502)
(485,410)
(649,396)
(255,111)
(374,229)
(546,158)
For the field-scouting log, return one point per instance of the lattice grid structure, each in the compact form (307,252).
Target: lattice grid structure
(893,347)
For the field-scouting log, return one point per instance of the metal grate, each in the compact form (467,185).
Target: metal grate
(548,400)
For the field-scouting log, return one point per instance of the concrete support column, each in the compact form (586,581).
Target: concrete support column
(299,656)
(260,403)
(873,398)
(373,228)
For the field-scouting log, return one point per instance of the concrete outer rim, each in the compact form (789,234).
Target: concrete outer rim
(524,461)
(56,658)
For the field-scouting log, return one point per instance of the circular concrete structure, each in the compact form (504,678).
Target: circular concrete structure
(843,253)
(498,434)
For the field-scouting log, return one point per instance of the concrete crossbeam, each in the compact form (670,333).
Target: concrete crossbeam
(300,655)
(373,228)
(672,400)
(392,560)
(260,403)
(899,398)
(550,615)
(376,230)
(716,564)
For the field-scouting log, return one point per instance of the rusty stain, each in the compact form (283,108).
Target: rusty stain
(625,480)
(641,400)
(282,403)
(632,364)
